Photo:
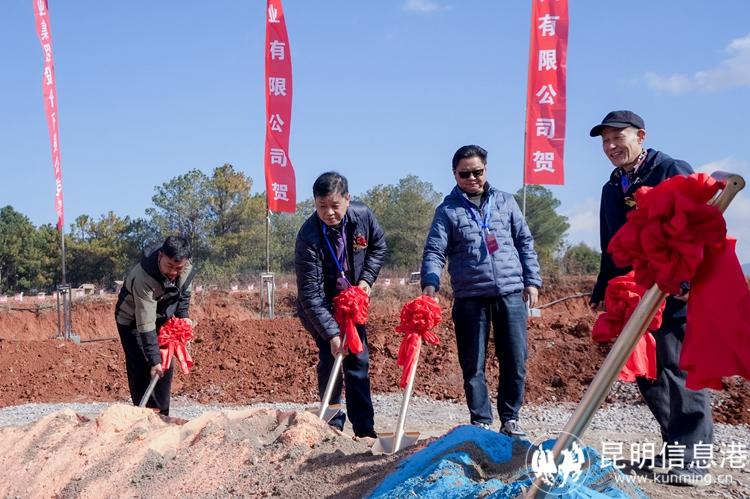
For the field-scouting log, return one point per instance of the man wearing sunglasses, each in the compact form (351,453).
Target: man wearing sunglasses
(494,270)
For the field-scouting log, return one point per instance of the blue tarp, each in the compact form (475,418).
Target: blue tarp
(461,464)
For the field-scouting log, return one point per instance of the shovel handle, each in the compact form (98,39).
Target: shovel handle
(405,401)
(331,383)
(149,390)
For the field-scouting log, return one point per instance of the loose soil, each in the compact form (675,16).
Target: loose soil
(240,358)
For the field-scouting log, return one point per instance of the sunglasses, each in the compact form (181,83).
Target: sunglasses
(474,173)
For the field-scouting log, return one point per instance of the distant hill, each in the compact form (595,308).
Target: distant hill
(746,268)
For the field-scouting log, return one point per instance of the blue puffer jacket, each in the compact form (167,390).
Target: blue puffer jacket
(456,235)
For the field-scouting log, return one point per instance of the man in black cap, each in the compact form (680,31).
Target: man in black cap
(684,415)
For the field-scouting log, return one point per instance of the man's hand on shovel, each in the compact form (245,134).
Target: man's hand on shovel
(157,370)
(335,344)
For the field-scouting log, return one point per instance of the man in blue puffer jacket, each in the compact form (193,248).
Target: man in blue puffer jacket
(494,269)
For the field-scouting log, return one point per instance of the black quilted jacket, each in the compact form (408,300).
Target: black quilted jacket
(316,270)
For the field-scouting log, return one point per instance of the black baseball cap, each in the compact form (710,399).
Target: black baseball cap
(619,119)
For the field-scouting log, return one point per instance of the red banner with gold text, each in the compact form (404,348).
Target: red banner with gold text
(281,188)
(49,89)
(545,101)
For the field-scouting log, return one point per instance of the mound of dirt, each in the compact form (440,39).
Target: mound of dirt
(240,358)
(132,451)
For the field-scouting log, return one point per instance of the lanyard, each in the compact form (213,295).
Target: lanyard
(473,209)
(339,265)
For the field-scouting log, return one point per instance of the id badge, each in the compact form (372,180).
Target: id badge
(491,241)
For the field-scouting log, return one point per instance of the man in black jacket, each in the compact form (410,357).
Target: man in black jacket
(683,415)
(339,245)
(157,288)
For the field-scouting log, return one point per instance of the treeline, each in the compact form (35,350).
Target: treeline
(226,224)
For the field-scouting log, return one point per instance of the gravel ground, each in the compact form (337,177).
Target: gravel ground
(430,417)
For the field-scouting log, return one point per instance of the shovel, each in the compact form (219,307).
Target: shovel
(149,390)
(390,443)
(621,350)
(326,412)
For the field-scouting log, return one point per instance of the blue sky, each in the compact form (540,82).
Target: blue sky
(148,90)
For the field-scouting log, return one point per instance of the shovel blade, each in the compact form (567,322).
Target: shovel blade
(386,442)
(328,415)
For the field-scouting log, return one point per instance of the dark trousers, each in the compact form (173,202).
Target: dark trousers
(472,318)
(357,381)
(139,376)
(684,415)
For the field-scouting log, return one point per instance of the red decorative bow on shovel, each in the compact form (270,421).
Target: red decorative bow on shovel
(621,298)
(418,318)
(673,236)
(350,309)
(173,338)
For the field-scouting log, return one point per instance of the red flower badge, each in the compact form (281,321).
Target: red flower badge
(360,242)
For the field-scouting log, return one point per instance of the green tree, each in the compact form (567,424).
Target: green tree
(237,223)
(581,259)
(284,228)
(230,202)
(48,239)
(547,226)
(405,211)
(99,249)
(140,236)
(21,251)
(182,207)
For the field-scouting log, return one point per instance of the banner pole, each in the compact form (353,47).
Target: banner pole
(268,239)
(62,254)
(67,293)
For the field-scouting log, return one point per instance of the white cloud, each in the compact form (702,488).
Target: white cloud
(422,6)
(727,164)
(738,213)
(584,223)
(584,216)
(733,71)
(738,225)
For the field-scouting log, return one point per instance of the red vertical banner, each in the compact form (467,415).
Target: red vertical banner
(546,101)
(281,190)
(49,90)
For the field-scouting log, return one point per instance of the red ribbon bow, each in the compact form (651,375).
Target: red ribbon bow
(174,336)
(418,318)
(621,298)
(350,308)
(674,236)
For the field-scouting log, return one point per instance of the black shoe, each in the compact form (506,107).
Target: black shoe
(367,434)
(512,429)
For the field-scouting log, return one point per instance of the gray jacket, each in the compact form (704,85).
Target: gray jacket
(456,235)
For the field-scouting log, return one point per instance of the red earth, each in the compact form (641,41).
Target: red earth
(242,359)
